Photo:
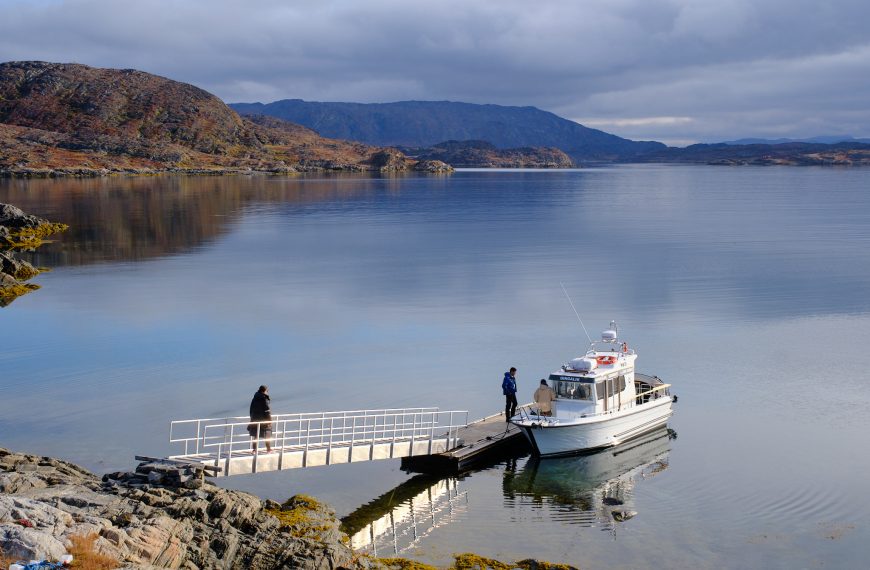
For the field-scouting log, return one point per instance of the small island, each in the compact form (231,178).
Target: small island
(482,154)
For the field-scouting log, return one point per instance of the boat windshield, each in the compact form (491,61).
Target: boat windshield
(606,346)
(572,390)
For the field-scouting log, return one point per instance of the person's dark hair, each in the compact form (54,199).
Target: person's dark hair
(263,389)
(513,369)
(544,381)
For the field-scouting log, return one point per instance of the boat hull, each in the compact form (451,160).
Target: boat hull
(566,438)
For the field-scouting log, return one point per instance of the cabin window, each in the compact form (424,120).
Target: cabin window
(610,387)
(573,390)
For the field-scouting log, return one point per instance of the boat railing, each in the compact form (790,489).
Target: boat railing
(526,411)
(655,393)
(224,436)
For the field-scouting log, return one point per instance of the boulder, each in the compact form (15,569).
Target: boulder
(434,166)
(14,218)
(16,268)
(22,543)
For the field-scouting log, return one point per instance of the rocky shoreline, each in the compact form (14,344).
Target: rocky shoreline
(147,521)
(168,515)
(427,166)
(20,231)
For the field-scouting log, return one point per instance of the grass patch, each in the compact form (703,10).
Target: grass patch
(85,554)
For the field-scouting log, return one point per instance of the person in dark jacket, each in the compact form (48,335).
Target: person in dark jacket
(261,411)
(509,389)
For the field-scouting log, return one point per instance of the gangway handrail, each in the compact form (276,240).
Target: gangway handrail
(308,430)
(308,414)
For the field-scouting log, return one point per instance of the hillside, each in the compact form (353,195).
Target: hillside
(788,154)
(426,123)
(470,154)
(74,119)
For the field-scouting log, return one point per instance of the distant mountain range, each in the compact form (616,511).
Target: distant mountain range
(426,123)
(496,135)
(830,139)
(784,154)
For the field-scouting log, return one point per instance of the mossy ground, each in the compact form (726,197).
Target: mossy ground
(297,516)
(29,238)
(470,561)
(405,564)
(9,293)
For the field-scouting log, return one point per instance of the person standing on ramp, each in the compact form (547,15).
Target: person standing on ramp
(261,419)
(509,389)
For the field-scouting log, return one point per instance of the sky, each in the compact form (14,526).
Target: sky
(677,71)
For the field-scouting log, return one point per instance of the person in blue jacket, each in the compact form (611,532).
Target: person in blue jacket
(509,389)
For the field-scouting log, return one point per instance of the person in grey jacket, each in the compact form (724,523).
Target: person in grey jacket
(261,411)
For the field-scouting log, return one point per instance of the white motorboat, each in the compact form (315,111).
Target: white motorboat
(600,402)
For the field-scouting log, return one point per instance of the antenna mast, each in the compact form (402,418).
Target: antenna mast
(575,311)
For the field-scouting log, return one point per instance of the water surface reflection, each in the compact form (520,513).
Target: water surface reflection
(593,489)
(590,490)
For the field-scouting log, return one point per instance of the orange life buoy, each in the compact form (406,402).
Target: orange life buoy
(606,360)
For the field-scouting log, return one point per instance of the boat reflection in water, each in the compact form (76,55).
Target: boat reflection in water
(592,489)
(398,520)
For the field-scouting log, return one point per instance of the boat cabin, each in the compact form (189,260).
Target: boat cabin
(601,381)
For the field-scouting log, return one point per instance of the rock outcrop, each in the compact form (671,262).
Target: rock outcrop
(145,523)
(19,231)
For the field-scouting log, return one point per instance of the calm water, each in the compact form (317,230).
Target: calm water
(746,288)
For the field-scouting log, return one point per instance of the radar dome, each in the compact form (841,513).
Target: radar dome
(608,336)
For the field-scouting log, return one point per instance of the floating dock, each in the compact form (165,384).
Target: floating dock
(479,441)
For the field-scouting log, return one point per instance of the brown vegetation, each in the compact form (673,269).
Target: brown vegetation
(87,557)
(5,561)
(70,119)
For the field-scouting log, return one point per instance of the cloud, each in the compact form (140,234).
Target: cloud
(736,67)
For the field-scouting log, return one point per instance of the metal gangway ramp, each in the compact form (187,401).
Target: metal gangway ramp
(315,439)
